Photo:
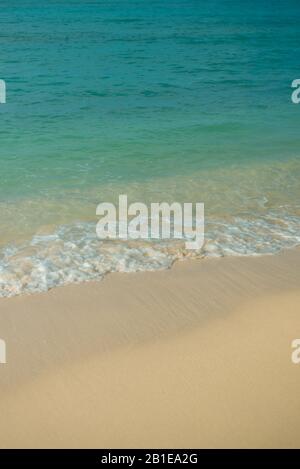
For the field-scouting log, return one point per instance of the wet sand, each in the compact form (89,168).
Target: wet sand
(196,356)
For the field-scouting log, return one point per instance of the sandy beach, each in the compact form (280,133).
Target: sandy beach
(150,227)
(195,356)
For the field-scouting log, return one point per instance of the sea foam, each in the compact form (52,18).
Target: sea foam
(74,254)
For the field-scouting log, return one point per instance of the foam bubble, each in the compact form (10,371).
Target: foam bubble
(74,254)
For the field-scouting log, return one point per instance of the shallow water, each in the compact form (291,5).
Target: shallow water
(183,100)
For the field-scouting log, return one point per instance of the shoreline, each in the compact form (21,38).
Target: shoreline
(194,356)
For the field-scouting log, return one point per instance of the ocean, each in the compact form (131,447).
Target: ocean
(162,100)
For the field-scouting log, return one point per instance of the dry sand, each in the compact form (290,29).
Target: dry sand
(197,356)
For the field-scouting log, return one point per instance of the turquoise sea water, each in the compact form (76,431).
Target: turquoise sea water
(164,100)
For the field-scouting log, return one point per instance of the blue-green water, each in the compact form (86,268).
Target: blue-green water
(186,100)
